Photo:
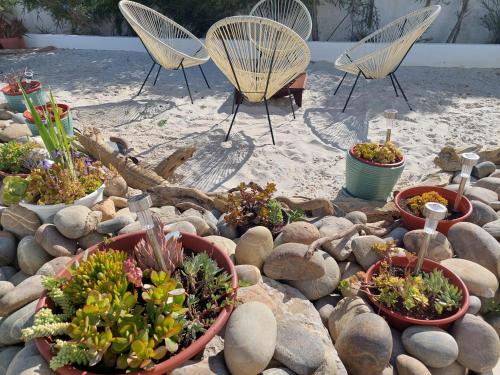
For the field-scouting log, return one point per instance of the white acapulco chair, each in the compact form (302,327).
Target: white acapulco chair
(258,56)
(381,53)
(291,13)
(169,45)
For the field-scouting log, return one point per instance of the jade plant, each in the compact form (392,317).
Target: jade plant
(417,203)
(386,153)
(118,311)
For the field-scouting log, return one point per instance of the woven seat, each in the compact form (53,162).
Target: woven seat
(380,54)
(291,13)
(169,44)
(257,55)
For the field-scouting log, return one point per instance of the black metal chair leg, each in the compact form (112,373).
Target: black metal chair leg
(393,85)
(157,74)
(187,84)
(352,89)
(203,74)
(149,73)
(340,83)
(402,92)
(291,101)
(269,120)
(232,121)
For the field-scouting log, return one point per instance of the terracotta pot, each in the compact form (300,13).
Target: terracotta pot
(41,108)
(12,43)
(127,242)
(412,221)
(401,322)
(36,86)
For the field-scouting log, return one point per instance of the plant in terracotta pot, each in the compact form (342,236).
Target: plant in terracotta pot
(17,81)
(16,158)
(64,115)
(142,303)
(250,205)
(11,33)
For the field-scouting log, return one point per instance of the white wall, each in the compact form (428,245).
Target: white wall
(422,54)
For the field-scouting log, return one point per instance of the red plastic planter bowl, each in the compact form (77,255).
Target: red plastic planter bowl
(401,322)
(127,242)
(36,86)
(64,109)
(412,222)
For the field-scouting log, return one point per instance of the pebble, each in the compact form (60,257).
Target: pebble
(474,305)
(229,246)
(165,212)
(397,346)
(53,267)
(481,213)
(119,202)
(288,262)
(76,221)
(362,250)
(126,212)
(483,169)
(407,365)
(454,369)
(114,225)
(107,207)
(478,343)
(493,319)
(5,287)
(131,228)
(29,362)
(299,232)
(431,345)
(490,183)
(439,246)
(493,228)
(54,242)
(330,226)
(348,269)
(6,272)
(479,281)
(91,239)
(10,329)
(323,286)
(116,186)
(344,312)
(181,226)
(202,228)
(396,235)
(20,221)
(248,273)
(31,256)
(250,339)
(6,356)
(473,243)
(213,365)
(7,248)
(356,217)
(18,278)
(325,306)
(254,247)
(225,229)
(365,344)
(24,293)
(278,371)
(481,194)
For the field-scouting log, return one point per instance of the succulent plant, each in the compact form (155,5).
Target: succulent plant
(417,203)
(13,156)
(383,154)
(14,189)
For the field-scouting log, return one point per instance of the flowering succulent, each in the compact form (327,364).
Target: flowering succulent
(383,154)
(417,203)
(134,274)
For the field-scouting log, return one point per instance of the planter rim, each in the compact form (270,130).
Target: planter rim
(44,345)
(65,110)
(5,174)
(375,164)
(408,193)
(28,205)
(37,87)
(428,265)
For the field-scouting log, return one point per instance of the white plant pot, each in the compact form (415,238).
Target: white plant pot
(44,212)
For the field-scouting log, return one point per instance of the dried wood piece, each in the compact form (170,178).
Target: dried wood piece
(167,167)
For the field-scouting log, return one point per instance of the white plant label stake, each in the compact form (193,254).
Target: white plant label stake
(469,160)
(390,120)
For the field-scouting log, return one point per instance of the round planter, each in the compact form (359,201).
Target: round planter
(127,242)
(66,118)
(16,101)
(12,43)
(401,322)
(369,180)
(46,211)
(412,222)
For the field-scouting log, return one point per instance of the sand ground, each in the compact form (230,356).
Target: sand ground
(460,107)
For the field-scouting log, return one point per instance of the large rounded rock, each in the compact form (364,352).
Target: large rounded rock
(29,362)
(5,287)
(53,267)
(290,262)
(107,207)
(478,343)
(365,344)
(300,232)
(14,131)
(362,249)
(18,278)
(481,213)
(91,239)
(356,217)
(397,346)
(478,279)
(229,246)
(407,365)
(348,269)
(6,356)
(323,286)
(76,221)
(202,227)
(116,186)
(250,339)
(490,183)
(225,229)
(344,312)
(396,235)
(493,228)
(10,329)
(54,242)
(481,194)
(114,225)
(474,305)
(30,255)
(278,371)
(454,369)
(254,247)
(24,293)
(439,246)
(473,243)
(330,226)
(7,248)
(181,226)
(483,169)
(431,345)
(20,221)
(6,272)
(248,273)
(325,306)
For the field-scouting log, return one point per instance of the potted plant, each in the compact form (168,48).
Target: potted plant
(64,115)
(373,169)
(67,177)
(16,158)
(250,205)
(115,309)
(11,34)
(13,91)
(410,203)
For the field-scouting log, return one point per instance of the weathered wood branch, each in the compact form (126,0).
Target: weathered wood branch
(167,166)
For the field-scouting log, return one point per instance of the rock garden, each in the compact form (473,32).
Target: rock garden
(105,267)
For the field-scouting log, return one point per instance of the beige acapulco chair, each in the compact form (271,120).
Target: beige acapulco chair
(169,45)
(258,56)
(291,13)
(380,54)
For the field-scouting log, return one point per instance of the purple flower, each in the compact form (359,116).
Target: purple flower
(47,164)
(56,154)
(88,162)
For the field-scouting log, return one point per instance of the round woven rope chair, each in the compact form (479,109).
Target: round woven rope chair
(291,13)
(170,45)
(258,56)
(380,54)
